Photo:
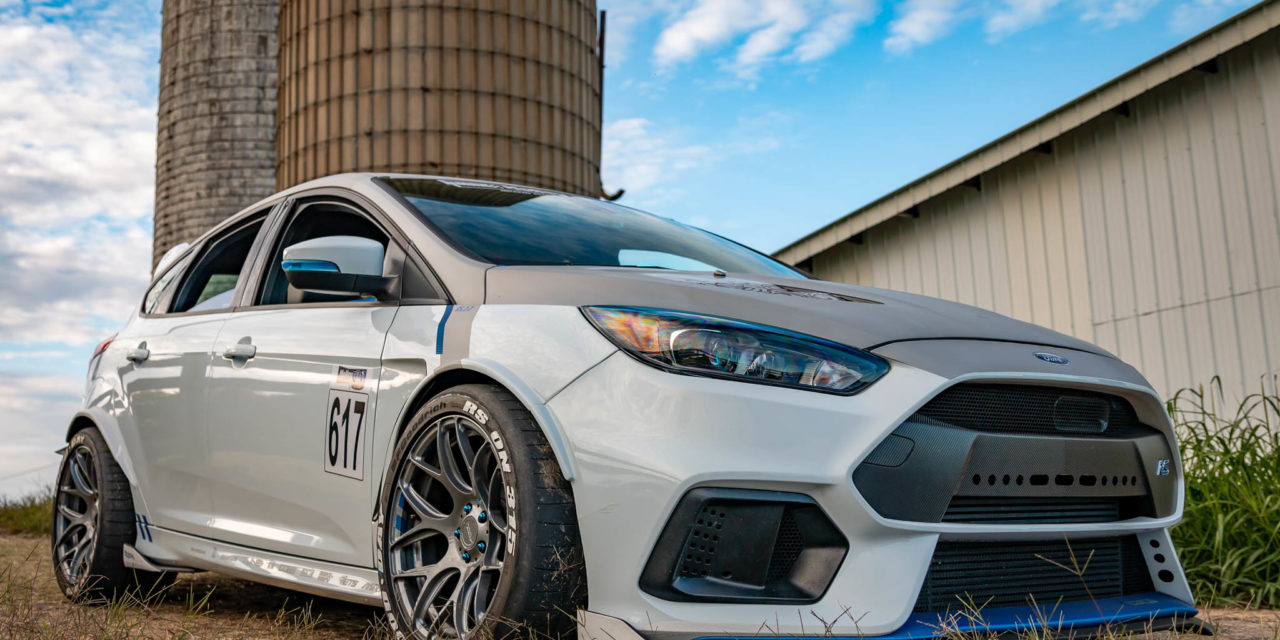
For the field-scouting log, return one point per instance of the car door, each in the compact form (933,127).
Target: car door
(163,377)
(291,402)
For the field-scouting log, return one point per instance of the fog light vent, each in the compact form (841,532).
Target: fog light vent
(735,545)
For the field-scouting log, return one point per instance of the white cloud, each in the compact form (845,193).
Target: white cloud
(37,410)
(77,117)
(1194,16)
(1016,15)
(1113,13)
(834,30)
(78,120)
(920,22)
(638,158)
(762,31)
(65,282)
(647,159)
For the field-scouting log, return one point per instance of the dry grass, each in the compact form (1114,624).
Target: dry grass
(29,515)
(196,606)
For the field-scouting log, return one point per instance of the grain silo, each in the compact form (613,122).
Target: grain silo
(501,90)
(215,142)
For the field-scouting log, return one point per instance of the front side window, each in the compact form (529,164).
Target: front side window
(211,284)
(509,225)
(318,220)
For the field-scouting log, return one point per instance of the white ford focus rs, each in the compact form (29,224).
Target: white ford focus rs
(489,408)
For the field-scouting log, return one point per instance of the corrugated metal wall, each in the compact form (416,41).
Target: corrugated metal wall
(1155,234)
(500,90)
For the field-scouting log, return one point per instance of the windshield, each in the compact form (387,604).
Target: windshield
(510,225)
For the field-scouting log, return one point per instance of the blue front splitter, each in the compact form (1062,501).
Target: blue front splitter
(1067,616)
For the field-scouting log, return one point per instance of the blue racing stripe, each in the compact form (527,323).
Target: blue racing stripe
(448,310)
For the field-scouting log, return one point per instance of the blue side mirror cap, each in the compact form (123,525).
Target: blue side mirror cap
(310,265)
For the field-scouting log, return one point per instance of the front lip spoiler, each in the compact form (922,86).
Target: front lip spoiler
(1141,612)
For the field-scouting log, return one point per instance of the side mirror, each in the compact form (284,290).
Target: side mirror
(342,265)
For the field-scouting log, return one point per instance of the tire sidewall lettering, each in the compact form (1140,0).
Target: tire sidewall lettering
(450,402)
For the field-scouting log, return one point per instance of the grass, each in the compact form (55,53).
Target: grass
(28,516)
(1229,539)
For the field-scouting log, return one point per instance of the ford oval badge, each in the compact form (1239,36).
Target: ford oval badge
(1051,358)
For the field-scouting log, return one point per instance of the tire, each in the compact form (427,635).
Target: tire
(93,519)
(519,515)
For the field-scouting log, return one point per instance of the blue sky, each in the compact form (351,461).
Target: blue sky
(758,119)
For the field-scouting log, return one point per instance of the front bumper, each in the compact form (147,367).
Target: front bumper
(641,439)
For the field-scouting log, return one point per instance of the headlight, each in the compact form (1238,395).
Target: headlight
(722,348)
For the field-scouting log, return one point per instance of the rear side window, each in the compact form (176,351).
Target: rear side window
(211,283)
(164,284)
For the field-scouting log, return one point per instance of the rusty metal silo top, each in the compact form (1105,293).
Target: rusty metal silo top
(497,90)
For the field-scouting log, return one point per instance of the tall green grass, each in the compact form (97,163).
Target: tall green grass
(1229,539)
(27,516)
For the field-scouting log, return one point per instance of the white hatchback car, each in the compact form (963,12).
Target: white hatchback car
(489,407)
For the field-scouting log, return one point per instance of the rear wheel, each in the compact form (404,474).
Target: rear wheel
(478,535)
(93,519)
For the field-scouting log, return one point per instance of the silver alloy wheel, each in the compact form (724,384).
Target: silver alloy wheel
(448,532)
(75,520)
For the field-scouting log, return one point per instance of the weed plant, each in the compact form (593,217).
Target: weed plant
(1229,539)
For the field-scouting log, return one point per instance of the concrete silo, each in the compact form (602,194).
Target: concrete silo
(485,88)
(215,143)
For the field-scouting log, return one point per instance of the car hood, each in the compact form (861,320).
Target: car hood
(863,317)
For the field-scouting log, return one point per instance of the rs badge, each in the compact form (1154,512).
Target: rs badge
(1162,467)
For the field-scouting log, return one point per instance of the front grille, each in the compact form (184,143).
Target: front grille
(1007,510)
(1035,410)
(968,575)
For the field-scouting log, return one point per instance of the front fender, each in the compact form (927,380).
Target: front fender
(532,351)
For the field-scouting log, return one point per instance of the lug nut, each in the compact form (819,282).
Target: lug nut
(466,556)
(482,517)
(480,546)
(466,508)
(457,533)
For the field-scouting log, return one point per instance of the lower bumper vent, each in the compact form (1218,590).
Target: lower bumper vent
(998,510)
(969,575)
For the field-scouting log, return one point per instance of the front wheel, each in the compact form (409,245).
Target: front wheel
(477,530)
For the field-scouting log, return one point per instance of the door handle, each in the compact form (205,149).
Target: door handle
(240,352)
(137,356)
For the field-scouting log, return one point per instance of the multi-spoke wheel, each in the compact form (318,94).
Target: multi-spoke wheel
(92,521)
(75,515)
(458,553)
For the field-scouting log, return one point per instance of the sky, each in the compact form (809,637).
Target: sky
(758,119)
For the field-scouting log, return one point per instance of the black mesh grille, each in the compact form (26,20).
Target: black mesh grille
(786,548)
(1029,409)
(1006,510)
(986,575)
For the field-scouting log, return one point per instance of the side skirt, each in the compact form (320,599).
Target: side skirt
(164,549)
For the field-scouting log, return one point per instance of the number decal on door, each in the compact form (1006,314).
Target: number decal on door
(344,433)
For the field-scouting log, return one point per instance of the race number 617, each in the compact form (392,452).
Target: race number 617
(344,434)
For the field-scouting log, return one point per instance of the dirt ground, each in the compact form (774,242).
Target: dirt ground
(197,606)
(206,605)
